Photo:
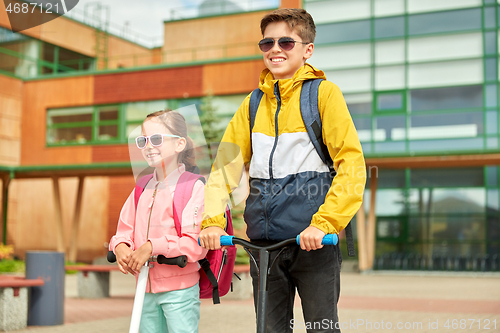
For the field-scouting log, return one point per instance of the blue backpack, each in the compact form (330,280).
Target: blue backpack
(309,110)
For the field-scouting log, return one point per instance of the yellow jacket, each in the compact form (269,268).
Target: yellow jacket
(290,187)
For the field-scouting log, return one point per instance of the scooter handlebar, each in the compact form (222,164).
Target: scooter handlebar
(226,240)
(330,239)
(180,261)
(111,257)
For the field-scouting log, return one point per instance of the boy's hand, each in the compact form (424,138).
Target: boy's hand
(210,237)
(310,238)
(123,252)
(139,257)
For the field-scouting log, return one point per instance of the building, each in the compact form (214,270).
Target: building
(421,82)
(420,78)
(70,93)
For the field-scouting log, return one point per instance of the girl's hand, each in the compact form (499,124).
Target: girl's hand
(140,256)
(123,252)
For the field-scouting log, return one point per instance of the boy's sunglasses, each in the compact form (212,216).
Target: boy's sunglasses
(155,139)
(285,43)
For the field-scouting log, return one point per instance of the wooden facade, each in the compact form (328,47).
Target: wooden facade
(220,37)
(11,92)
(148,85)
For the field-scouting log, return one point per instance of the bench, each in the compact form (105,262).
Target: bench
(14,301)
(93,280)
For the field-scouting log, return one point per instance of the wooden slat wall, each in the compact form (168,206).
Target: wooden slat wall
(119,190)
(38,96)
(4,19)
(10,120)
(212,37)
(157,55)
(69,34)
(36,215)
(291,4)
(114,153)
(12,212)
(34,32)
(11,92)
(148,85)
(122,53)
(232,78)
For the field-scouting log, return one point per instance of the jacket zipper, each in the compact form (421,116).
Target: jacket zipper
(271,176)
(149,222)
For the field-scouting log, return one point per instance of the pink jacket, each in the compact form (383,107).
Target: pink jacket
(133,230)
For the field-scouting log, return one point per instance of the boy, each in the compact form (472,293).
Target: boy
(288,195)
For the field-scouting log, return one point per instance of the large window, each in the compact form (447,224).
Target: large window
(390,27)
(390,101)
(465,19)
(27,57)
(84,125)
(447,98)
(114,123)
(342,32)
(359,104)
(447,119)
(394,26)
(428,212)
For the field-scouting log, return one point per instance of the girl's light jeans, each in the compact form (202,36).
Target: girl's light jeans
(176,311)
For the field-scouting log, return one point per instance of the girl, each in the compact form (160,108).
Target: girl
(171,303)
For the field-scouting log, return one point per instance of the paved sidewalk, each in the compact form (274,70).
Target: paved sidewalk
(368,303)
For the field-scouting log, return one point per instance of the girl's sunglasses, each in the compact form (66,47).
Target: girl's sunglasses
(155,139)
(285,43)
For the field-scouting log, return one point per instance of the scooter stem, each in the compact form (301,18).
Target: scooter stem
(140,291)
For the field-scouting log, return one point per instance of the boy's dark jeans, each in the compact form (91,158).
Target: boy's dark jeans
(315,275)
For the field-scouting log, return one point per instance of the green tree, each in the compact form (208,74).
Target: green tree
(211,125)
(210,122)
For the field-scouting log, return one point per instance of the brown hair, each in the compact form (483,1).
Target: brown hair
(297,19)
(176,124)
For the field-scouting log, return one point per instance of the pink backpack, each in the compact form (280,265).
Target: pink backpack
(216,271)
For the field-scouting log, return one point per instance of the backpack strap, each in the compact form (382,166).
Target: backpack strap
(140,186)
(255,99)
(182,194)
(309,109)
(205,265)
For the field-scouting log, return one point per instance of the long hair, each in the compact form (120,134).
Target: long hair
(176,124)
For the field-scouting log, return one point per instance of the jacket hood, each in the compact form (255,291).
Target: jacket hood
(306,72)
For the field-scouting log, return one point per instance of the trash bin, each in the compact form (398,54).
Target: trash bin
(46,303)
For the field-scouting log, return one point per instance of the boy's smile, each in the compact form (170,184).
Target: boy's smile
(283,64)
